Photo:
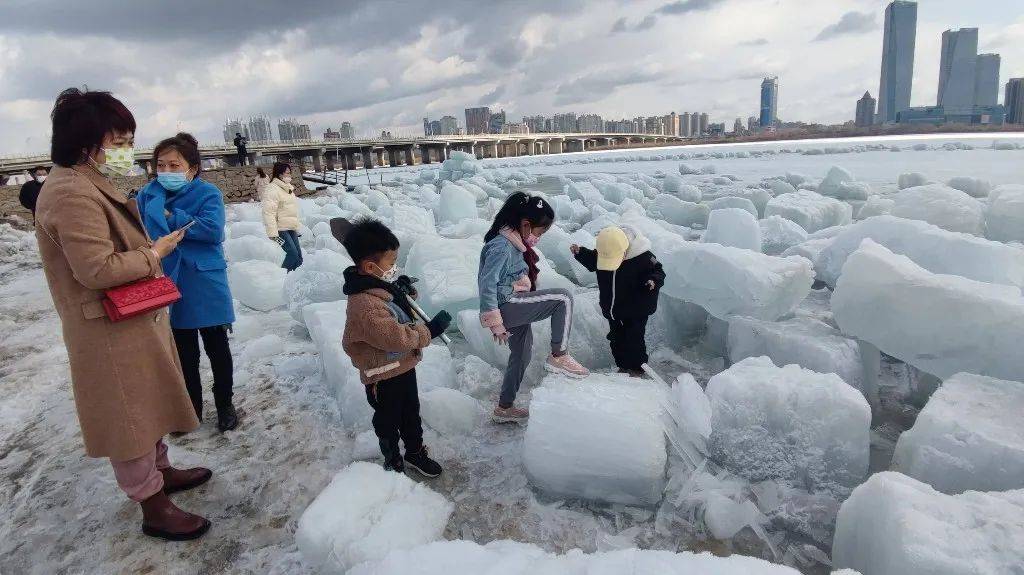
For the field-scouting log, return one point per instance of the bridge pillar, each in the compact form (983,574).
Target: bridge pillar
(392,157)
(493,149)
(424,154)
(318,162)
(350,161)
(367,154)
(555,146)
(410,160)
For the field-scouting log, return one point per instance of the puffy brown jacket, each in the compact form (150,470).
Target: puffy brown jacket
(382,341)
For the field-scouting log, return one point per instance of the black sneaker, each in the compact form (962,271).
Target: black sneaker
(423,464)
(392,456)
(227,418)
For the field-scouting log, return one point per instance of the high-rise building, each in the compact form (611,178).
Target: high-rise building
(684,125)
(769,101)
(564,123)
(332,135)
(515,128)
(986,80)
(704,123)
(898,41)
(289,130)
(590,123)
(260,130)
(449,126)
(737,126)
(347,132)
(1014,101)
(496,123)
(695,124)
(232,127)
(426,127)
(535,123)
(865,111)
(478,120)
(957,70)
(670,124)
(752,123)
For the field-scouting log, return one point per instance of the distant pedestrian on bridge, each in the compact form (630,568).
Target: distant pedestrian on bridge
(240,142)
(128,388)
(30,190)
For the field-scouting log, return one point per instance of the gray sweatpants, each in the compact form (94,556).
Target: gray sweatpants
(517,314)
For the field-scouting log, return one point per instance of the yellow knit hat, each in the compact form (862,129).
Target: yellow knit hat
(612,244)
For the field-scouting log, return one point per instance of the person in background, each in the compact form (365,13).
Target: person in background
(510,300)
(180,197)
(281,214)
(127,382)
(384,342)
(629,278)
(259,182)
(240,142)
(30,189)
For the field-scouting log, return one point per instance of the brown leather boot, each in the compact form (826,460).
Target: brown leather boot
(163,519)
(176,480)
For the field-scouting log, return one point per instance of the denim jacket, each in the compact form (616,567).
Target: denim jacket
(501,267)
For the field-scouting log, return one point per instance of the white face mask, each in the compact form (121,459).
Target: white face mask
(388,275)
(41,178)
(286,179)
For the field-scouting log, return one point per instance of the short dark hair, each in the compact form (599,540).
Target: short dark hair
(279,169)
(185,144)
(37,168)
(367,239)
(80,122)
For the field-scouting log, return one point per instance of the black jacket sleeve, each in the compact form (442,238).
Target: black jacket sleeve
(28,195)
(656,273)
(588,258)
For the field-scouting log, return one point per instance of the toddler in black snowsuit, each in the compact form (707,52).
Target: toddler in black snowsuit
(629,277)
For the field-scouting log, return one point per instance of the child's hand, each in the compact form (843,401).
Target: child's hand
(501,338)
(575,249)
(651,285)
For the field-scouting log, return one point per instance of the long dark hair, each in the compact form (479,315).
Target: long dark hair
(186,145)
(279,169)
(519,207)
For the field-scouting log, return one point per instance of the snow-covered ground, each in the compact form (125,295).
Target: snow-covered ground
(758,464)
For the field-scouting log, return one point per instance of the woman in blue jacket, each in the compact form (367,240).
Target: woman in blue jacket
(177,198)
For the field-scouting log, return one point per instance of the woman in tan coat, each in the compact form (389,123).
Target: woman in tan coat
(281,214)
(126,377)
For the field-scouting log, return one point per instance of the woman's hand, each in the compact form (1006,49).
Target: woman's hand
(575,249)
(167,244)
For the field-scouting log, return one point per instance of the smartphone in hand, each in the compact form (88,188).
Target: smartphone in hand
(185,227)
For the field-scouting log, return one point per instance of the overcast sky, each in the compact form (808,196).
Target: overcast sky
(190,64)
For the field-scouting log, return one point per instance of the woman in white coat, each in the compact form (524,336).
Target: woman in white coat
(281,214)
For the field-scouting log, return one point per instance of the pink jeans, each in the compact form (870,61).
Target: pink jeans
(140,478)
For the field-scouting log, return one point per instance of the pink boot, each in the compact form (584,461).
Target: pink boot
(565,365)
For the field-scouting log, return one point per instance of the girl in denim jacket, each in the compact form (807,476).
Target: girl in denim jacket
(510,300)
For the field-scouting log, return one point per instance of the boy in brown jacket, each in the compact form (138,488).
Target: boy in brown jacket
(384,341)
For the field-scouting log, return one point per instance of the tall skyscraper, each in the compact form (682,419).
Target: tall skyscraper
(1014,101)
(769,101)
(986,80)
(347,132)
(752,123)
(865,111)
(737,126)
(449,126)
(497,123)
(232,127)
(590,123)
(426,127)
(957,70)
(704,123)
(684,125)
(260,130)
(564,123)
(897,59)
(695,124)
(478,120)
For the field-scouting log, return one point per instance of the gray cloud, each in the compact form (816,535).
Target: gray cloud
(597,85)
(619,25)
(684,6)
(754,42)
(849,23)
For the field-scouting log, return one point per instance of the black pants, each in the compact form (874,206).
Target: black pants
(215,342)
(396,410)
(629,348)
(241,157)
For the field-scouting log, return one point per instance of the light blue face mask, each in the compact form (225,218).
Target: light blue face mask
(171,181)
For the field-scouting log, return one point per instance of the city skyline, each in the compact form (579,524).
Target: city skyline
(533,57)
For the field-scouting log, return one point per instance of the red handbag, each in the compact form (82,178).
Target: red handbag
(139,297)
